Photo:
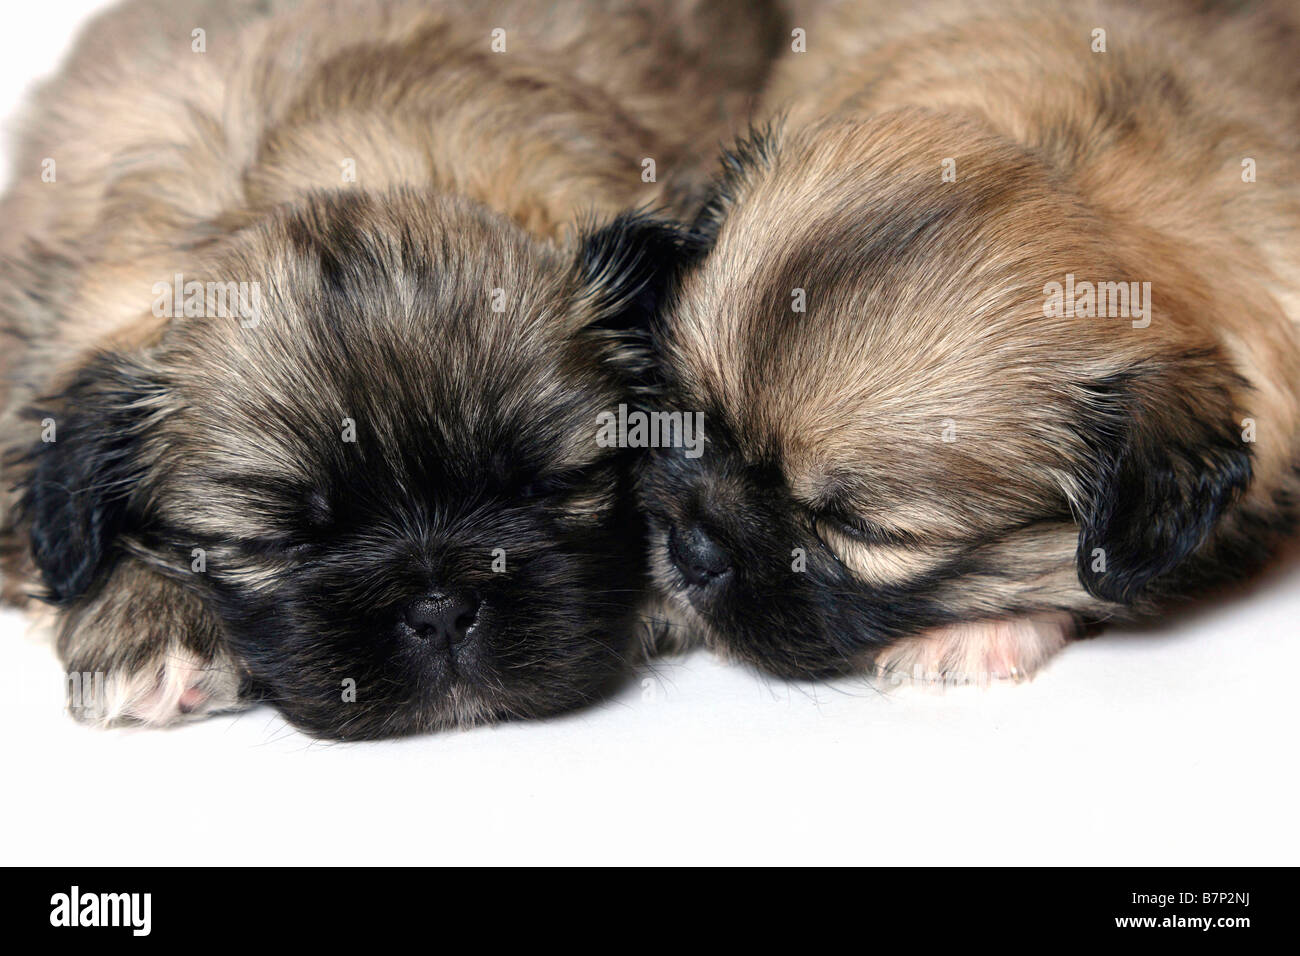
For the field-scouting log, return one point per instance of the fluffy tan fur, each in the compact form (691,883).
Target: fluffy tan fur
(924,387)
(173,158)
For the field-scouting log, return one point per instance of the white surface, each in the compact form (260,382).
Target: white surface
(1170,746)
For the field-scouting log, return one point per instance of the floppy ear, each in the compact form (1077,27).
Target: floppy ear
(1169,461)
(627,269)
(78,483)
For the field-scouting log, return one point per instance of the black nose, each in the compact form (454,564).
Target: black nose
(697,556)
(443,615)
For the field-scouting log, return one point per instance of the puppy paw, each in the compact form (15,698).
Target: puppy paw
(145,650)
(976,652)
(173,686)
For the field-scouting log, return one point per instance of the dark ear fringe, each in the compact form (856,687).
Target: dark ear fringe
(75,490)
(754,151)
(1168,465)
(628,269)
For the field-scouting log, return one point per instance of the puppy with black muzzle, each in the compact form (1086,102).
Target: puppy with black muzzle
(304,361)
(996,333)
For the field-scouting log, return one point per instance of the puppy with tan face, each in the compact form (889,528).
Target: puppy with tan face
(310,311)
(995,334)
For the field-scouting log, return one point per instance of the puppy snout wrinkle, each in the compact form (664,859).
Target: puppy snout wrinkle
(698,556)
(443,616)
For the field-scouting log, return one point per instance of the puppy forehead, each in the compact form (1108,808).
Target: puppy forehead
(413,337)
(841,343)
(290,414)
(826,347)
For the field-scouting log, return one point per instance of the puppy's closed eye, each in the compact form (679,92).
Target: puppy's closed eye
(579,494)
(563,483)
(877,555)
(839,523)
(276,547)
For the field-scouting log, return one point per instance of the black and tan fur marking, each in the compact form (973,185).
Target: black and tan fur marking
(956,465)
(204,528)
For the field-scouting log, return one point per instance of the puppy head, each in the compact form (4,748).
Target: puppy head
(898,436)
(381,473)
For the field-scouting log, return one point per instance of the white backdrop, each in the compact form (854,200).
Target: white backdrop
(1172,745)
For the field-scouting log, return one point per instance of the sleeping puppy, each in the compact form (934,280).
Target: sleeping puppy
(303,359)
(996,334)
